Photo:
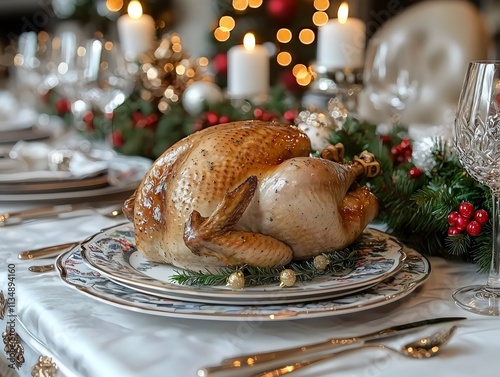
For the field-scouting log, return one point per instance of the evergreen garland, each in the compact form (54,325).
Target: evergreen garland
(340,263)
(416,210)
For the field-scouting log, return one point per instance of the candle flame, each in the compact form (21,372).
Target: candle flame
(343,12)
(134,9)
(249,41)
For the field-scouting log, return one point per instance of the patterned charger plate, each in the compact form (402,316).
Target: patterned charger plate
(112,253)
(75,272)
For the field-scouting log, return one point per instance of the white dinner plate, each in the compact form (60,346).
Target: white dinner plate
(241,301)
(58,186)
(22,119)
(112,252)
(69,196)
(75,272)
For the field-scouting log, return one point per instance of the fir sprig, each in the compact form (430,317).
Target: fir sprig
(340,263)
(416,210)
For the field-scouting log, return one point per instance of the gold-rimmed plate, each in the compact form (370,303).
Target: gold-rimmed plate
(75,272)
(112,253)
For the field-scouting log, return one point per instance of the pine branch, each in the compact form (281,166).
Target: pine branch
(340,263)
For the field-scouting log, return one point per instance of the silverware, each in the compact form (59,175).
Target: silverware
(257,363)
(46,252)
(61,211)
(422,348)
(42,268)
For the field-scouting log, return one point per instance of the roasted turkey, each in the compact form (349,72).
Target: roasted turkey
(248,193)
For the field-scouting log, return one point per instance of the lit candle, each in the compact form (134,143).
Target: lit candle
(136,31)
(247,69)
(341,41)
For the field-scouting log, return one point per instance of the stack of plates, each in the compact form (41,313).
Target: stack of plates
(18,184)
(21,126)
(52,186)
(109,268)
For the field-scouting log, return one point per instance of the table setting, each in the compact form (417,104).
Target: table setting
(156,222)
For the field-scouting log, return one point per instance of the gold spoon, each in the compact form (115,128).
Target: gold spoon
(423,348)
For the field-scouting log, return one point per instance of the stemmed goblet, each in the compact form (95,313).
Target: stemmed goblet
(105,79)
(477,140)
(389,80)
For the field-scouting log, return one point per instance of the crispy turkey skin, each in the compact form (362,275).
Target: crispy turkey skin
(247,193)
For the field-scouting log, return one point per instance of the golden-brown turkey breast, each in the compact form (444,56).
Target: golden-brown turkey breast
(247,193)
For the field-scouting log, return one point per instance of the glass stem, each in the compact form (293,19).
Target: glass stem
(494,274)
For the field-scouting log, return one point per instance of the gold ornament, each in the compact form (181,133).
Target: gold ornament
(287,278)
(167,70)
(236,280)
(320,262)
(13,347)
(44,368)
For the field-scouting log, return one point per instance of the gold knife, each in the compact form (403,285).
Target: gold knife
(257,363)
(46,252)
(111,209)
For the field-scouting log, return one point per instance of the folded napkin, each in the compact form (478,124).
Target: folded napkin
(39,161)
(13,115)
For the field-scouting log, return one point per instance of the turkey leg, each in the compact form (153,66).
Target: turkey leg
(218,237)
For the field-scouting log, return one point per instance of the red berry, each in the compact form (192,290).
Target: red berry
(290,115)
(415,172)
(257,113)
(223,119)
(474,228)
(481,216)
(269,116)
(117,139)
(466,209)
(212,118)
(453,231)
(63,106)
(462,222)
(452,218)
(88,117)
(220,64)
(386,139)
(405,144)
(137,117)
(88,121)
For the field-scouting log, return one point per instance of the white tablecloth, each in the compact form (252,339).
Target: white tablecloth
(93,339)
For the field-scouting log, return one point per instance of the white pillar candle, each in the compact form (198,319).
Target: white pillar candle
(136,31)
(341,41)
(247,69)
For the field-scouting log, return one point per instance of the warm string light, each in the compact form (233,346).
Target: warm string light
(306,36)
(114,5)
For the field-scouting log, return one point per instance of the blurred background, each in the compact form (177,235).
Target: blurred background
(196,20)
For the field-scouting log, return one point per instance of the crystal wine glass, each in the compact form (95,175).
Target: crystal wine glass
(477,140)
(389,80)
(106,79)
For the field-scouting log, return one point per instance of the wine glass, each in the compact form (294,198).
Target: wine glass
(389,79)
(477,140)
(106,79)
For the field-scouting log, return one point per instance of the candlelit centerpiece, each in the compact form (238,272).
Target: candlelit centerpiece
(247,70)
(338,69)
(136,31)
